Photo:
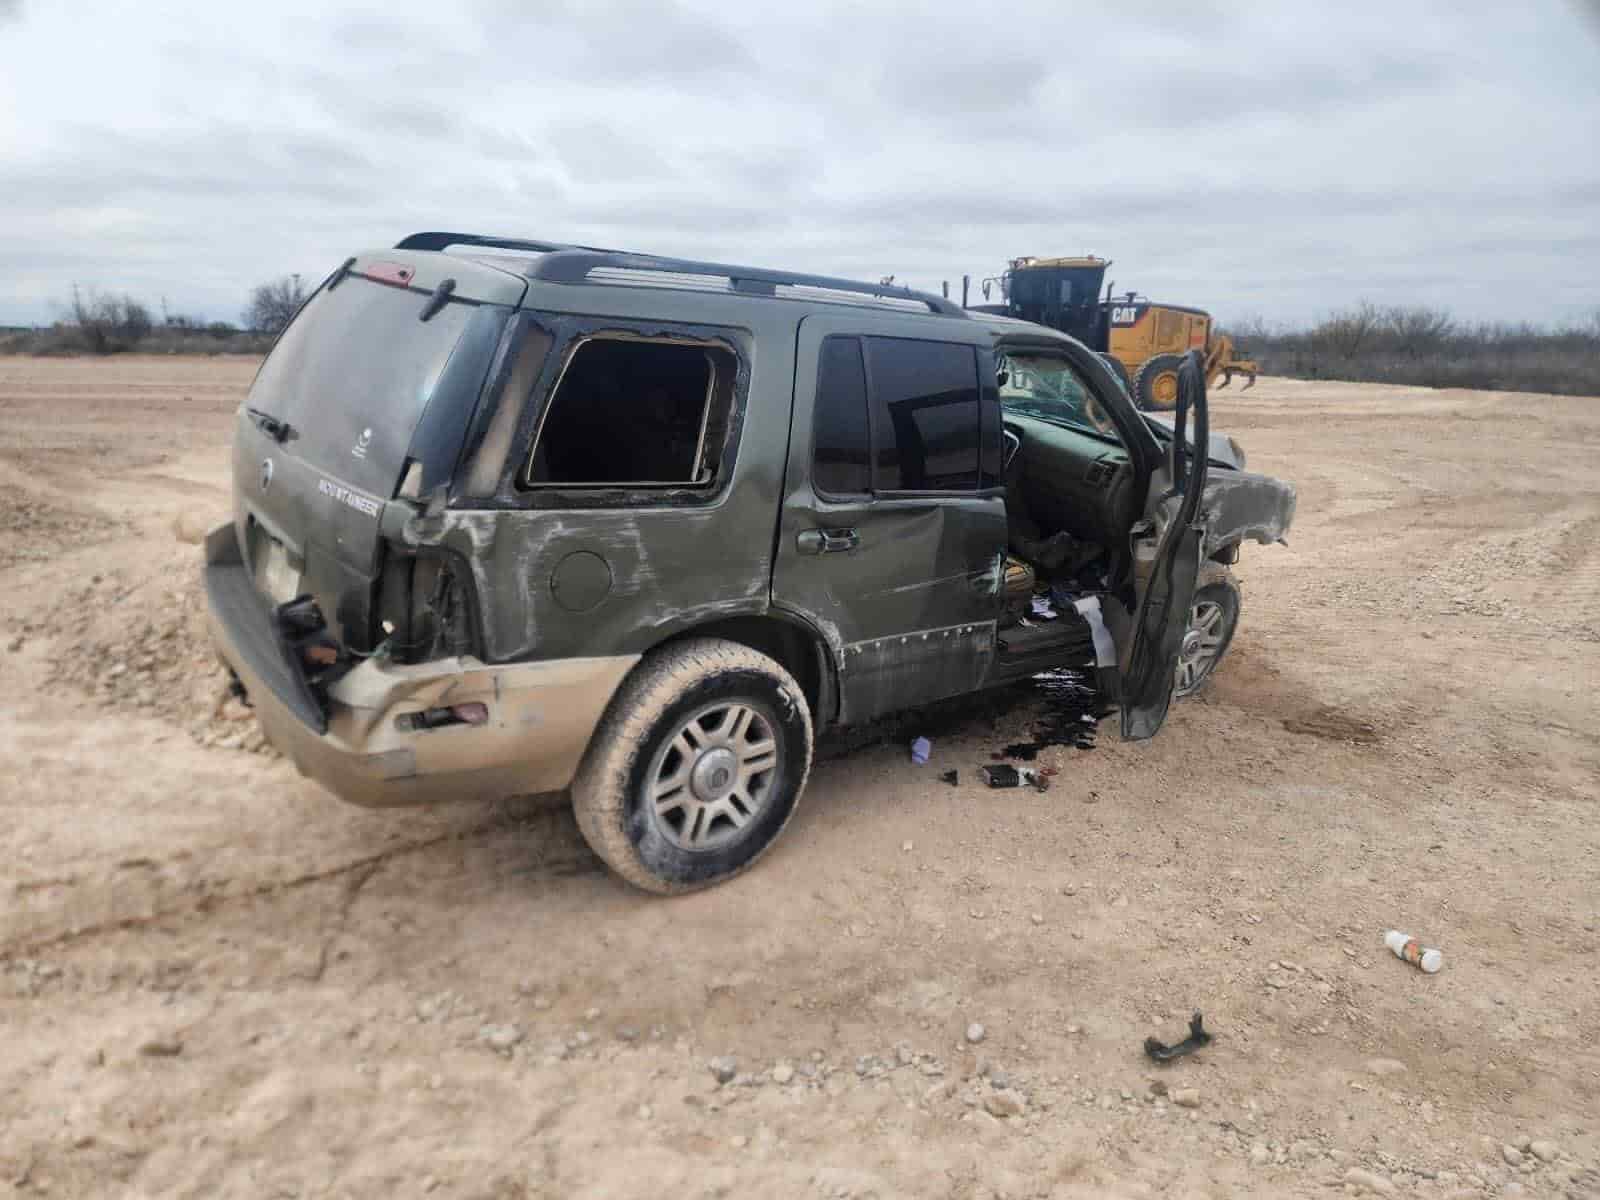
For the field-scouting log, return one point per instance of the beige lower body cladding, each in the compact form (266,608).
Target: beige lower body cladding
(541,715)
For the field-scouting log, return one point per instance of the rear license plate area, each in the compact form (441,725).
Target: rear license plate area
(276,577)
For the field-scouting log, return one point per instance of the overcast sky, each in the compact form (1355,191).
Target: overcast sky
(1268,159)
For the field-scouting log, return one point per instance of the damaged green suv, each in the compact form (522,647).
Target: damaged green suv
(514,517)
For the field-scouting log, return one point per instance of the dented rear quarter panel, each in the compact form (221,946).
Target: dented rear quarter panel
(677,558)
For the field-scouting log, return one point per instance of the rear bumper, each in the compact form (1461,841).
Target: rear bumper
(541,715)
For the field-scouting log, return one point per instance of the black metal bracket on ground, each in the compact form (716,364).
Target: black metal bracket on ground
(1197,1038)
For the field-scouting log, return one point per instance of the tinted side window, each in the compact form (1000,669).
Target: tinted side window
(925,425)
(839,439)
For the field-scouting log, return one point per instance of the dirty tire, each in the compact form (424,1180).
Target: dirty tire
(1156,387)
(1218,585)
(669,687)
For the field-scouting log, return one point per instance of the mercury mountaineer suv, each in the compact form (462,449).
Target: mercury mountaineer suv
(516,517)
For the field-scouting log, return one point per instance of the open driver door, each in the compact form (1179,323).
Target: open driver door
(1163,615)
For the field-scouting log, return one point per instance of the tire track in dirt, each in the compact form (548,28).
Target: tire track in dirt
(211,896)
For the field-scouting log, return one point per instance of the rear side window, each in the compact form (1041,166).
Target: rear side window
(840,453)
(926,429)
(636,413)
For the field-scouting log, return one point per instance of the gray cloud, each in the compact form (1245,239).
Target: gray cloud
(1277,160)
(633,40)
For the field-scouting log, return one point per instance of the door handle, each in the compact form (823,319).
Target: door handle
(826,541)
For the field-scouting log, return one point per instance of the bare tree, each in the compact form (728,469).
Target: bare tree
(1419,330)
(108,323)
(1343,333)
(273,305)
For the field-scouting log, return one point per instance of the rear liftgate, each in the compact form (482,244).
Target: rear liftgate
(1164,609)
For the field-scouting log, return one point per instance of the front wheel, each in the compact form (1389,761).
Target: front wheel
(697,766)
(1155,389)
(1213,617)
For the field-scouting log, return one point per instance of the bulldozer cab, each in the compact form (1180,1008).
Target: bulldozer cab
(1062,293)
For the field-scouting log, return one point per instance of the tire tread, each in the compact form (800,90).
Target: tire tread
(599,792)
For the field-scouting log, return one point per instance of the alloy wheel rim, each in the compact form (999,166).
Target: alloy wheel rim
(1202,644)
(714,776)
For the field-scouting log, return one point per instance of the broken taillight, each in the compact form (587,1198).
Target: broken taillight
(472,713)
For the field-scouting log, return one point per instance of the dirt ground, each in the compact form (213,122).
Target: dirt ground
(216,980)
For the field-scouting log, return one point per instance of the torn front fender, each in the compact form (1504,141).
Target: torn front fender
(1240,504)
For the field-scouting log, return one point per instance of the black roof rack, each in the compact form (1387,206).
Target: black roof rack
(572,264)
(433,240)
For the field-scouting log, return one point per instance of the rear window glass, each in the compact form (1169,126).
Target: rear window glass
(354,371)
(926,430)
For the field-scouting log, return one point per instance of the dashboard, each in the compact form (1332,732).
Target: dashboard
(1074,481)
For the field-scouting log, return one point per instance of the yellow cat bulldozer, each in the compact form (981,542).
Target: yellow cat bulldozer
(1144,342)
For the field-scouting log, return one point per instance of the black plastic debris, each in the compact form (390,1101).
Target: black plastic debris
(1004,775)
(951,777)
(1071,715)
(1198,1037)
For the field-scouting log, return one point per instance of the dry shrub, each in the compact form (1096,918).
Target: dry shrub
(1427,347)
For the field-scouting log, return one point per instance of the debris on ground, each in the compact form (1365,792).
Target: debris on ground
(1000,775)
(920,749)
(1408,949)
(1004,775)
(1073,710)
(951,777)
(1197,1038)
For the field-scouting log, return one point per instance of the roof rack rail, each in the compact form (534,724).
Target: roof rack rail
(572,264)
(436,240)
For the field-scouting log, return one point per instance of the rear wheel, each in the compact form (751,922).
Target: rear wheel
(1156,388)
(696,768)
(1213,617)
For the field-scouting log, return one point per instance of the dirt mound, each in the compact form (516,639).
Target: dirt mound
(32,530)
(136,641)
